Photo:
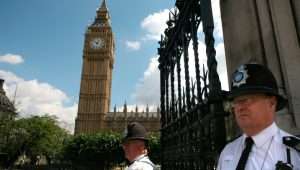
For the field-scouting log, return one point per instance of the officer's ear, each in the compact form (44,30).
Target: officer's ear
(273,101)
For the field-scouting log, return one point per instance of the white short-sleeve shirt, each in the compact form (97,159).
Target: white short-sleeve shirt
(142,162)
(267,150)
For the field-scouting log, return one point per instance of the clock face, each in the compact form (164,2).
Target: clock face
(97,43)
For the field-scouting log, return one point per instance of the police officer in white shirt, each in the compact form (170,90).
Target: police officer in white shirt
(263,146)
(135,144)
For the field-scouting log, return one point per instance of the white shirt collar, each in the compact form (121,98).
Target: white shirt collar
(265,135)
(139,157)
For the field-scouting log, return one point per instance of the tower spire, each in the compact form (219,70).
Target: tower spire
(103,5)
(102,17)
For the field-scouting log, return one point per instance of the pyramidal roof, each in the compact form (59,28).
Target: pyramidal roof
(103,6)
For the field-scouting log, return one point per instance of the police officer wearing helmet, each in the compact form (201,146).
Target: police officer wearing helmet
(135,144)
(255,99)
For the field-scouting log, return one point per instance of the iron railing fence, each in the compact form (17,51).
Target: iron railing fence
(192,116)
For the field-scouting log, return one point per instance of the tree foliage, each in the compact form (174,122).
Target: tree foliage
(34,137)
(102,149)
(154,148)
(9,143)
(40,136)
(44,137)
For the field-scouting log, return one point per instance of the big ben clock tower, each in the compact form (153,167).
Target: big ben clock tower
(96,76)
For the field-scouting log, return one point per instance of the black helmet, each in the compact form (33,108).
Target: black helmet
(255,78)
(135,131)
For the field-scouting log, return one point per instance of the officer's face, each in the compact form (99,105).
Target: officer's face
(133,148)
(254,112)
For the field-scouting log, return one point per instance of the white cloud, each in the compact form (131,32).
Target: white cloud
(37,98)
(11,59)
(155,24)
(133,45)
(217,18)
(218,30)
(148,88)
(222,67)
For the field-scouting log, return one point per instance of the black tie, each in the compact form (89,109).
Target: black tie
(244,157)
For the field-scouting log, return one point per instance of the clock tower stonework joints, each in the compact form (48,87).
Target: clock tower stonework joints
(96,76)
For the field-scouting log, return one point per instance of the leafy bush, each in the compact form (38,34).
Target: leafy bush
(101,149)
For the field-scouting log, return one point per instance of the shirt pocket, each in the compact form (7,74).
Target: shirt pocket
(228,163)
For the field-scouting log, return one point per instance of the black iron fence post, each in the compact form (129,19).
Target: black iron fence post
(193,128)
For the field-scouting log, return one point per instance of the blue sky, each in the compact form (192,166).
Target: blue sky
(41,45)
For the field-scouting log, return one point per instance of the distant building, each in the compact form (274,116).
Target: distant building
(6,106)
(96,79)
(7,112)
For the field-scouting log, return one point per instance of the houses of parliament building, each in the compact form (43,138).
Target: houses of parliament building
(96,80)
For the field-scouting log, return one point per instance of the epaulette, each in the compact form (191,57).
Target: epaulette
(292,141)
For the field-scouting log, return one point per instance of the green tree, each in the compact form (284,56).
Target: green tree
(43,137)
(37,136)
(101,150)
(9,144)
(154,148)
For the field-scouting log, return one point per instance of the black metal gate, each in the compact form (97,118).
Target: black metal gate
(192,115)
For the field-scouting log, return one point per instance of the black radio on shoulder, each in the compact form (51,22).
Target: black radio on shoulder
(283,166)
(291,142)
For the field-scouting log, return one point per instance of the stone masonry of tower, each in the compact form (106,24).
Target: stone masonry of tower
(96,79)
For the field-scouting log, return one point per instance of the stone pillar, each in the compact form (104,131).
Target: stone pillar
(296,12)
(267,32)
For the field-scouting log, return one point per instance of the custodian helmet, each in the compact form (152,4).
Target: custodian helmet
(135,131)
(255,78)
